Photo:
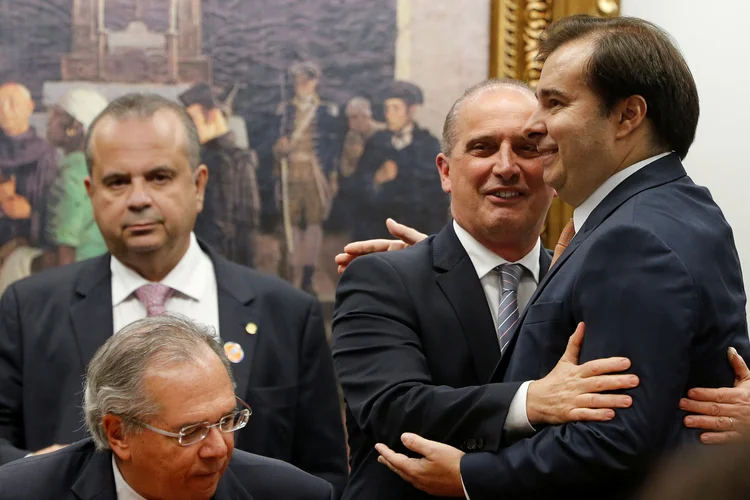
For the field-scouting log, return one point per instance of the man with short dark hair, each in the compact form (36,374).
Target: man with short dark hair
(147,187)
(161,411)
(647,261)
(417,333)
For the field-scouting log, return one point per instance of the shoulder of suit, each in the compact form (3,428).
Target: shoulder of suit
(271,474)
(266,285)
(57,277)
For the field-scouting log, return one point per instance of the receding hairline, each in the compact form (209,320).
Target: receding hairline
(109,120)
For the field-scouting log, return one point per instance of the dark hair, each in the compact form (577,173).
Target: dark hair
(449,126)
(634,57)
(137,105)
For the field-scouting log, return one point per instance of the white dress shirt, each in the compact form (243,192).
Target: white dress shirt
(584,210)
(193,280)
(485,261)
(123,489)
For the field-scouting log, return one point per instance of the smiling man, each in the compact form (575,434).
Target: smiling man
(648,262)
(416,333)
(161,409)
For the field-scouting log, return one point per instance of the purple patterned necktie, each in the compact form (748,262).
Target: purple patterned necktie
(507,312)
(154,296)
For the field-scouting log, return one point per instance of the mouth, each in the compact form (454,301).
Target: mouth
(505,195)
(141,226)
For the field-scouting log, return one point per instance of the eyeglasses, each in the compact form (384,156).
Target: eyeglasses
(191,434)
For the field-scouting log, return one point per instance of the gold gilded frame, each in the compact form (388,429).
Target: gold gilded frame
(514,42)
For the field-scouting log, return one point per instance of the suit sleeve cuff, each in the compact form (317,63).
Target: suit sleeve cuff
(517,423)
(466,493)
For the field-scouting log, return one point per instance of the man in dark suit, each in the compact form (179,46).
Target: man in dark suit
(414,338)
(161,411)
(648,262)
(146,187)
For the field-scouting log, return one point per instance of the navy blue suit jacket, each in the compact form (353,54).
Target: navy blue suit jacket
(414,346)
(655,276)
(52,323)
(78,472)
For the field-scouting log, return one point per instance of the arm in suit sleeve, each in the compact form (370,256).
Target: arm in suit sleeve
(11,385)
(377,351)
(321,447)
(638,300)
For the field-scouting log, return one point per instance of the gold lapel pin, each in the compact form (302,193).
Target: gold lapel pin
(251,328)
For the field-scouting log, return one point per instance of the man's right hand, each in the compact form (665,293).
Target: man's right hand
(572,392)
(406,235)
(48,449)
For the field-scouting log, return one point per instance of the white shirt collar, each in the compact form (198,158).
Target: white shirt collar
(125,281)
(485,260)
(123,489)
(584,210)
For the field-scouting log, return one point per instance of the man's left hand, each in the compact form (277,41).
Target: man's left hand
(726,411)
(438,472)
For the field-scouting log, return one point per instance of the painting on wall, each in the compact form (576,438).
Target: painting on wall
(318,118)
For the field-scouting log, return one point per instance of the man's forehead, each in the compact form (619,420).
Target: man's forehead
(161,130)
(567,62)
(499,106)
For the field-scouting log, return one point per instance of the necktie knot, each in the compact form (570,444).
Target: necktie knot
(568,232)
(510,276)
(153,296)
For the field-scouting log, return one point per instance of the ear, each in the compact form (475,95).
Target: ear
(629,113)
(201,179)
(118,441)
(444,169)
(89,186)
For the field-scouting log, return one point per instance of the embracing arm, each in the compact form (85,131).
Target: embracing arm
(652,325)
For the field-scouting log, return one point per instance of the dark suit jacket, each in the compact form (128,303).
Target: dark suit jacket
(52,323)
(655,276)
(79,472)
(413,344)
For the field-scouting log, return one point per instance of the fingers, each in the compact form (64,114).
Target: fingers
(602,366)
(710,423)
(591,415)
(707,408)
(408,235)
(603,401)
(722,395)
(358,248)
(603,383)
(719,437)
(574,345)
(397,462)
(393,468)
(741,371)
(416,443)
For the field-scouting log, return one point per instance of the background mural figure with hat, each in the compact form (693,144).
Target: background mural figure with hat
(230,216)
(310,142)
(397,176)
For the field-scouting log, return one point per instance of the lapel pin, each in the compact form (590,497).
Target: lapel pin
(234,352)
(251,328)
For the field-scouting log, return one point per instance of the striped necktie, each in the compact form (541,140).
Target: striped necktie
(507,312)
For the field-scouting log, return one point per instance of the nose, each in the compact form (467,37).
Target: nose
(216,444)
(535,128)
(506,167)
(139,197)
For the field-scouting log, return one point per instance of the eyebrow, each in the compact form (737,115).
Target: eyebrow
(553,92)
(480,138)
(182,426)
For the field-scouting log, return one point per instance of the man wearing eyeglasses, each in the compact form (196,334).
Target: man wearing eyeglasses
(161,410)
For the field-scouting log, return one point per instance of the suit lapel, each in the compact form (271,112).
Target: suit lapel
(230,488)
(91,308)
(459,282)
(662,171)
(96,480)
(238,315)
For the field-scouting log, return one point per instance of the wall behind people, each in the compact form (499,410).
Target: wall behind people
(714,39)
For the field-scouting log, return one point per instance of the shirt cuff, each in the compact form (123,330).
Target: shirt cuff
(517,422)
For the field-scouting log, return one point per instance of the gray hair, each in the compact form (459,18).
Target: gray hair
(143,106)
(449,127)
(114,378)
(358,105)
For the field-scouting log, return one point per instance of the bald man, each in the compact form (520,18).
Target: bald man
(28,165)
